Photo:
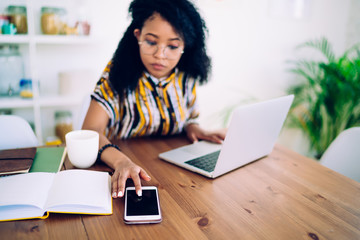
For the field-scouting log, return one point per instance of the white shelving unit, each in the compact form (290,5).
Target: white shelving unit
(29,44)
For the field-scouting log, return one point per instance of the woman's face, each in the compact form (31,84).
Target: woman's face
(160,46)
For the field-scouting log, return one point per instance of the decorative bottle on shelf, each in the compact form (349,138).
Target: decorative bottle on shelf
(11,70)
(26,88)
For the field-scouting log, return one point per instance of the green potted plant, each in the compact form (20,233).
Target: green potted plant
(327,95)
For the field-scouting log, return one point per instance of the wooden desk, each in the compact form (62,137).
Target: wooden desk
(282,196)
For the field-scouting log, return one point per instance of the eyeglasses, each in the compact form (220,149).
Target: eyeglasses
(170,52)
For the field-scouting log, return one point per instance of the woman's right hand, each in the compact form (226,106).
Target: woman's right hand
(125,169)
(97,119)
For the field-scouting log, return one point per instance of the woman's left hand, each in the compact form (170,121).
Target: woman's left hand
(195,133)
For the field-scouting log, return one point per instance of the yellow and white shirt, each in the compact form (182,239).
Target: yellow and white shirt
(155,107)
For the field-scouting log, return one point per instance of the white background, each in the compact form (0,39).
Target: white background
(250,42)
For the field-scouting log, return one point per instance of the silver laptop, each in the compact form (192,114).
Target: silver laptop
(252,134)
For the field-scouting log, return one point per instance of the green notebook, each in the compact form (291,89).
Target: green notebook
(48,159)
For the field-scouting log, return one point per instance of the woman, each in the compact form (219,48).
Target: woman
(149,86)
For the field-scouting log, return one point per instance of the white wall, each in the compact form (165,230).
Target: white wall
(248,42)
(249,45)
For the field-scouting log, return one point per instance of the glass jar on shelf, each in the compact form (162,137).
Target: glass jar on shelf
(17,15)
(63,124)
(51,20)
(11,70)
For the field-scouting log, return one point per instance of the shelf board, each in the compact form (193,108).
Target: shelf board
(19,39)
(15,102)
(46,39)
(47,101)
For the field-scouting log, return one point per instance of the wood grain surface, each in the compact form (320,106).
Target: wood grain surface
(282,196)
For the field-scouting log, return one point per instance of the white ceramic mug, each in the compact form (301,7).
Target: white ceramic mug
(82,147)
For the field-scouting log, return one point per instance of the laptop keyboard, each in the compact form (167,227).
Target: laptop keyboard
(206,162)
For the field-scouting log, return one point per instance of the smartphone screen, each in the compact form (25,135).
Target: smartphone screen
(144,209)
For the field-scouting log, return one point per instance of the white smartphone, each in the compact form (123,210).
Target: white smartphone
(144,209)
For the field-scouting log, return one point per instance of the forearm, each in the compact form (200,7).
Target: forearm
(111,156)
(97,120)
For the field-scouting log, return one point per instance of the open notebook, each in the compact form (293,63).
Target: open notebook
(36,194)
(252,134)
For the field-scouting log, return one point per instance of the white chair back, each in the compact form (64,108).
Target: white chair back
(343,154)
(15,132)
(82,112)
